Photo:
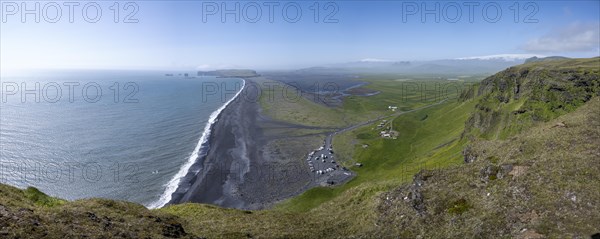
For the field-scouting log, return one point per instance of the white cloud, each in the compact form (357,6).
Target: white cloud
(207,67)
(573,38)
(204,67)
(504,57)
(374,60)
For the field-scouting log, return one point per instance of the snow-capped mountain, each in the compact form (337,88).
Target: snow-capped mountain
(502,57)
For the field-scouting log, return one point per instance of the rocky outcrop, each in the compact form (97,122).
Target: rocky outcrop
(416,194)
(469,155)
(492,172)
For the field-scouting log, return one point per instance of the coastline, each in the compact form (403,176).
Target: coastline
(201,184)
(189,168)
(231,145)
(249,161)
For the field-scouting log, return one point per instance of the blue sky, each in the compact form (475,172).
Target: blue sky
(173,35)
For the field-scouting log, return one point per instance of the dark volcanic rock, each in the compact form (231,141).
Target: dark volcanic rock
(416,195)
(469,155)
(173,230)
(504,170)
(489,173)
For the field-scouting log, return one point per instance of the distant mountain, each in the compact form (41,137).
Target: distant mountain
(502,57)
(466,65)
(550,58)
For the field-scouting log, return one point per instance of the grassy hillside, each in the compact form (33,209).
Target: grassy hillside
(517,98)
(31,214)
(542,183)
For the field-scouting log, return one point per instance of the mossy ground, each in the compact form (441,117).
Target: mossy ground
(30,213)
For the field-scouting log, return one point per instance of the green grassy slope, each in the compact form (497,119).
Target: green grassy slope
(32,214)
(542,183)
(393,161)
(520,96)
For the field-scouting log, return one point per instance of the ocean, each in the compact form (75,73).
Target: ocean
(125,135)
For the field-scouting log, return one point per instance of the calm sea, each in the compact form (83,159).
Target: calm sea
(113,134)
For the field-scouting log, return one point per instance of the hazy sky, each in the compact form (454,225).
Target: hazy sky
(191,34)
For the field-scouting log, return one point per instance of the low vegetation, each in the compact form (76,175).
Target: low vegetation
(289,105)
(30,213)
(517,98)
(542,183)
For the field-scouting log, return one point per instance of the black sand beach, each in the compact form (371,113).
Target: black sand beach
(252,161)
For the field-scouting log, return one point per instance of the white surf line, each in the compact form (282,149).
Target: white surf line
(173,184)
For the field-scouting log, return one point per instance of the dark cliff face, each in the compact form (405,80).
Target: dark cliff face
(520,96)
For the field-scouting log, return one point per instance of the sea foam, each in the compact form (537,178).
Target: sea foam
(173,184)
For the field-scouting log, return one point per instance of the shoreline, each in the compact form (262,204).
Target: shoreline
(211,180)
(182,177)
(250,163)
